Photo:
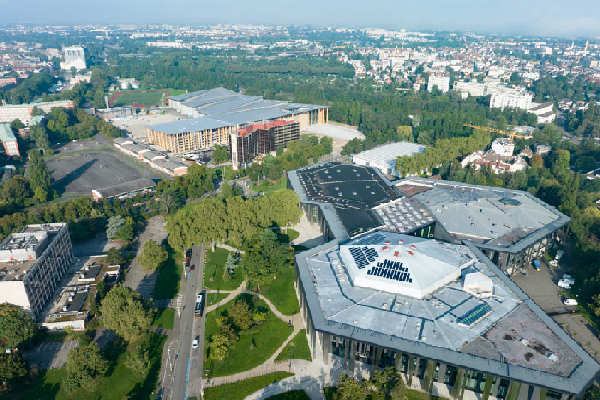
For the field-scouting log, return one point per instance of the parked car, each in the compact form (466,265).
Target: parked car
(192,267)
(565,283)
(196,342)
(536,264)
(570,302)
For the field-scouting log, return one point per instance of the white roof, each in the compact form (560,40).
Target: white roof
(387,153)
(478,284)
(414,270)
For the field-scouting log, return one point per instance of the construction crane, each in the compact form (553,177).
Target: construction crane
(498,131)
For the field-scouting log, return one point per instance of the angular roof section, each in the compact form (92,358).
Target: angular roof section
(398,267)
(188,125)
(491,217)
(232,108)
(6,133)
(450,325)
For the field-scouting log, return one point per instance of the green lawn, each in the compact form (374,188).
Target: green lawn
(214,298)
(297,348)
(169,274)
(268,187)
(239,390)
(281,291)
(253,348)
(291,395)
(164,318)
(121,382)
(214,269)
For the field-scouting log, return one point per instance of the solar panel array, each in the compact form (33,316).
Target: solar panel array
(393,270)
(376,238)
(363,256)
(474,314)
(404,215)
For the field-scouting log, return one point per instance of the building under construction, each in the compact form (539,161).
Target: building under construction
(260,139)
(216,115)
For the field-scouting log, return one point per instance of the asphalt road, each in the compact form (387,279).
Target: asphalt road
(186,329)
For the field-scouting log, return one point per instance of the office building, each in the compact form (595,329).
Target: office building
(24,112)
(9,141)
(511,227)
(32,264)
(442,314)
(258,139)
(441,82)
(74,58)
(218,113)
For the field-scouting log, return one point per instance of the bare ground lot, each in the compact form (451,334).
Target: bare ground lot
(89,164)
(136,126)
(541,287)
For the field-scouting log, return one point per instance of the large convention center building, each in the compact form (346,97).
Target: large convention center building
(218,114)
(406,280)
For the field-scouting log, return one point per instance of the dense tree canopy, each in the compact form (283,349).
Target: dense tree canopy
(124,312)
(16,326)
(84,364)
(152,256)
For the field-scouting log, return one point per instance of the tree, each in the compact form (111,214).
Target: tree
(114,256)
(219,346)
(39,176)
(220,154)
(119,227)
(515,78)
(241,315)
(350,388)
(113,226)
(16,326)
(84,364)
(16,190)
(12,366)
(124,312)
(138,356)
(152,256)
(16,124)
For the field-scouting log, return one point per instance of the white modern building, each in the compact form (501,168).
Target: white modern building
(74,58)
(384,157)
(503,147)
(442,83)
(511,98)
(32,264)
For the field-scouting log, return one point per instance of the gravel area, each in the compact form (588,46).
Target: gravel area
(49,355)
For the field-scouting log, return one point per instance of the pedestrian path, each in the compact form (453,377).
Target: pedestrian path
(310,376)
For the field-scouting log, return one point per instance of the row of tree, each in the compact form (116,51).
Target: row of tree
(234,220)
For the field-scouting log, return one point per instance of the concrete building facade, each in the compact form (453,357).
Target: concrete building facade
(32,264)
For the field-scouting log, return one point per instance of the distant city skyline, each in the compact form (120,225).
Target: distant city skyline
(533,17)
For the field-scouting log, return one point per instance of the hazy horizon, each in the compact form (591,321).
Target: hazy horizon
(534,17)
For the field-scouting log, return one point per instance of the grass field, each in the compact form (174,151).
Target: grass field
(169,275)
(239,390)
(147,98)
(291,395)
(281,292)
(164,318)
(213,298)
(120,383)
(268,187)
(297,348)
(254,346)
(214,269)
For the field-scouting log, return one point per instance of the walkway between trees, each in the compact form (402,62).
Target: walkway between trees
(310,376)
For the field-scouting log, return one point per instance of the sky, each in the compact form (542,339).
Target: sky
(542,17)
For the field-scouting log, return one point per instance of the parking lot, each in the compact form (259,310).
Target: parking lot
(136,126)
(49,355)
(89,164)
(541,287)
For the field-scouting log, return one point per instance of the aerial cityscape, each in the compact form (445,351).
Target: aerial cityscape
(287,207)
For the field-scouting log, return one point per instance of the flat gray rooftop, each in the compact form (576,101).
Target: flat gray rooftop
(505,334)
(491,217)
(222,106)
